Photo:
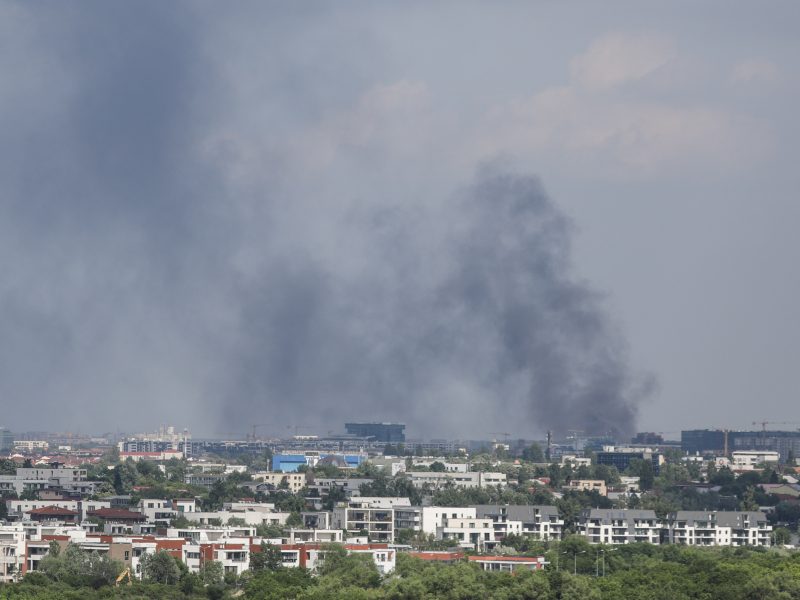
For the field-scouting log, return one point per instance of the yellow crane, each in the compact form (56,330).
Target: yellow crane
(123,575)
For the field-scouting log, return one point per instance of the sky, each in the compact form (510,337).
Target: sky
(471,217)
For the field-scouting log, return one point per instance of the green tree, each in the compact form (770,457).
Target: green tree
(533,453)
(267,559)
(781,536)
(212,573)
(160,567)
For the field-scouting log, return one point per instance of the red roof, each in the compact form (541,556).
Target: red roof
(520,559)
(436,556)
(54,510)
(116,514)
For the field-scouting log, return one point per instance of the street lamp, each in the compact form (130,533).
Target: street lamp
(603,551)
(574,560)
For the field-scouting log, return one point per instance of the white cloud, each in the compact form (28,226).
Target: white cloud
(596,123)
(754,70)
(617,59)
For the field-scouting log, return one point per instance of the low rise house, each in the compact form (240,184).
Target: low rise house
(749,459)
(588,485)
(509,563)
(294,482)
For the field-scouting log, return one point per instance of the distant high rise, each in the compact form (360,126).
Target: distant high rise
(392,433)
(6,440)
(702,440)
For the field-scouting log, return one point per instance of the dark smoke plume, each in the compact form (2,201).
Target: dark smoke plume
(474,319)
(171,254)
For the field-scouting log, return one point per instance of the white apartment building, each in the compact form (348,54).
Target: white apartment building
(294,482)
(30,445)
(449,467)
(720,528)
(252,518)
(619,526)
(575,461)
(428,519)
(464,480)
(324,536)
(159,512)
(371,514)
(12,552)
(472,534)
(749,459)
(588,485)
(39,478)
(20,509)
(391,465)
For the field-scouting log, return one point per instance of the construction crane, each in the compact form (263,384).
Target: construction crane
(123,575)
(765,423)
(297,428)
(255,426)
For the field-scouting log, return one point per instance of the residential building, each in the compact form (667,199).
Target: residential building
(449,467)
(542,522)
(372,515)
(12,552)
(20,509)
(621,458)
(588,485)
(749,459)
(575,461)
(30,445)
(472,533)
(619,526)
(509,563)
(428,519)
(719,528)
(159,512)
(294,482)
(391,465)
(465,480)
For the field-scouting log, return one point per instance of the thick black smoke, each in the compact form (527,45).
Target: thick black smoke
(482,323)
(168,254)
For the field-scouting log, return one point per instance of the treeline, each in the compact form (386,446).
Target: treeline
(583,572)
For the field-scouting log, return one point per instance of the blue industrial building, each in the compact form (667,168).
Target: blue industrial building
(289,463)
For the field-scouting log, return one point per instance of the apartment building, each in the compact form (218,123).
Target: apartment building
(720,528)
(12,552)
(20,509)
(542,522)
(463,480)
(588,485)
(428,518)
(312,556)
(616,526)
(471,533)
(160,512)
(372,515)
(749,459)
(293,482)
